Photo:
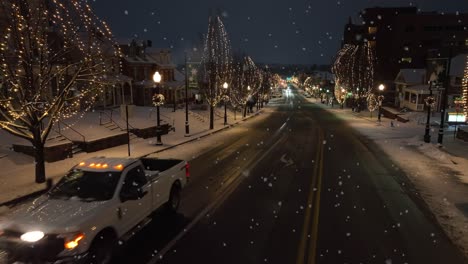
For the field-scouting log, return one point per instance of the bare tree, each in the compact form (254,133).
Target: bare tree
(216,64)
(354,67)
(54,60)
(238,93)
(252,79)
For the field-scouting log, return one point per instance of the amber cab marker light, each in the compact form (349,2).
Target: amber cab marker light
(74,243)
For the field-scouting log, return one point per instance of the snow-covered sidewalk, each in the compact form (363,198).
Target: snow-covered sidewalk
(17,169)
(439,174)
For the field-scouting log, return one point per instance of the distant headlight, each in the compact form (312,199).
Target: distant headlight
(32,236)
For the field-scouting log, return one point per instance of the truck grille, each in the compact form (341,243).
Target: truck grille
(11,246)
(3,257)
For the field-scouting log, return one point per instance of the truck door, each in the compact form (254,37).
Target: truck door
(162,186)
(134,208)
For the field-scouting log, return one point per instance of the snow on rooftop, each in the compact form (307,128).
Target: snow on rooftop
(458,65)
(411,76)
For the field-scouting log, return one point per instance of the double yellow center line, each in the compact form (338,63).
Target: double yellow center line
(307,250)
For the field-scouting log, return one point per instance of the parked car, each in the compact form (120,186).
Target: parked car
(98,202)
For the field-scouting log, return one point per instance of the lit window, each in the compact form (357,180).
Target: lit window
(372,30)
(407,60)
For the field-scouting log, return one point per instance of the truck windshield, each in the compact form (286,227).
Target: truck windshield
(86,185)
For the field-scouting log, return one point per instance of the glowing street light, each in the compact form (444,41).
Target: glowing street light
(225,86)
(380,99)
(157,80)
(381,87)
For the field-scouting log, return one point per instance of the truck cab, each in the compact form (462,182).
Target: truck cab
(98,202)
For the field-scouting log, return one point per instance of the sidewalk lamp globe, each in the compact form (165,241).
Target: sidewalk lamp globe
(157,77)
(381,87)
(248,87)
(225,85)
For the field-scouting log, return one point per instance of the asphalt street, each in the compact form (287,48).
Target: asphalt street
(299,186)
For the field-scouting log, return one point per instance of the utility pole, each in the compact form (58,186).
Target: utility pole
(444,99)
(128,132)
(187,128)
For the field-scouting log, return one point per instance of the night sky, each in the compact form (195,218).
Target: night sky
(271,31)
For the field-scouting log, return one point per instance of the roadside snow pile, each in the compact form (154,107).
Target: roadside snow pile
(413,141)
(414,116)
(434,152)
(429,150)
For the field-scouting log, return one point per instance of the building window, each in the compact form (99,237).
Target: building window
(407,96)
(409,28)
(372,30)
(407,60)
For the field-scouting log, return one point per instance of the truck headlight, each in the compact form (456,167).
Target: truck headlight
(32,236)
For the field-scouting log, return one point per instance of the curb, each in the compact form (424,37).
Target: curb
(350,114)
(23,198)
(203,136)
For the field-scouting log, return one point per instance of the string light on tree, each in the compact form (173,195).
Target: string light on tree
(465,90)
(55,60)
(216,64)
(354,67)
(372,103)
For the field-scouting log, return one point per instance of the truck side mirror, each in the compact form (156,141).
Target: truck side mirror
(132,193)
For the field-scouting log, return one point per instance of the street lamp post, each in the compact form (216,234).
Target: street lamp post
(225,86)
(247,103)
(443,105)
(429,102)
(174,98)
(187,128)
(157,80)
(380,99)
(342,97)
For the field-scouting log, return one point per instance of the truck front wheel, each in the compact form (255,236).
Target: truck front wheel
(102,248)
(174,198)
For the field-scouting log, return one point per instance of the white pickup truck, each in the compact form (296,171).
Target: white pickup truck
(99,202)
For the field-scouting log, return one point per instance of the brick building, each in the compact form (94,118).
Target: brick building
(140,62)
(403,37)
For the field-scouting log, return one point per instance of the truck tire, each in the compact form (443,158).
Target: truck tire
(174,198)
(102,248)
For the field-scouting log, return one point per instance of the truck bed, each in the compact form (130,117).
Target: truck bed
(153,164)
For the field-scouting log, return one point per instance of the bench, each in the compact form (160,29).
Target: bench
(393,115)
(164,129)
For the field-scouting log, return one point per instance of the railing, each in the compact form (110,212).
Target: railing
(110,117)
(111,120)
(199,116)
(161,115)
(168,118)
(71,128)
